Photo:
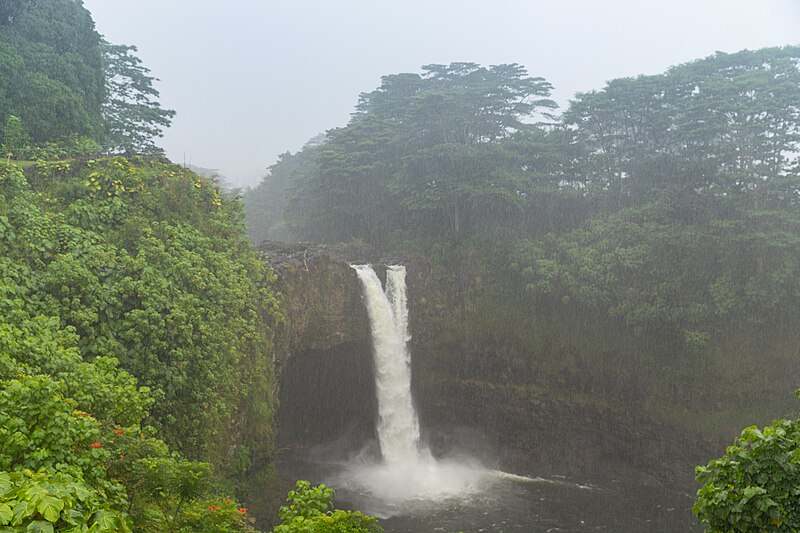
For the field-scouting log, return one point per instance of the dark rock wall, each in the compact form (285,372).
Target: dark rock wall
(520,390)
(323,360)
(321,299)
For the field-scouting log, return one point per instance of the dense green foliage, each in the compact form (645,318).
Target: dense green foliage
(693,262)
(51,69)
(310,510)
(62,85)
(755,486)
(136,264)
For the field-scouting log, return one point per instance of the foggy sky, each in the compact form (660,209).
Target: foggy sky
(250,79)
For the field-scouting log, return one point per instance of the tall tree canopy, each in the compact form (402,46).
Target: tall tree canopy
(51,68)
(729,122)
(134,118)
(422,148)
(461,103)
(61,80)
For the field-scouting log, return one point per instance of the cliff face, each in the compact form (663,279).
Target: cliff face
(321,299)
(512,383)
(477,387)
(323,349)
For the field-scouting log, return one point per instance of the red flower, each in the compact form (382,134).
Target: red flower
(118,431)
(243,510)
(227,501)
(121,456)
(95,445)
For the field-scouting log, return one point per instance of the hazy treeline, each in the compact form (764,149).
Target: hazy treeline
(658,214)
(459,147)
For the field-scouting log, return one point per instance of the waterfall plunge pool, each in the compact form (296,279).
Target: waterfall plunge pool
(477,500)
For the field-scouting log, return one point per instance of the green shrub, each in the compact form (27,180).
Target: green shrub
(44,502)
(310,510)
(755,486)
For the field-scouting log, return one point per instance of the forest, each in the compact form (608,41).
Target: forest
(613,257)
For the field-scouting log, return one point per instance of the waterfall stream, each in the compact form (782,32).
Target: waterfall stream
(398,426)
(407,470)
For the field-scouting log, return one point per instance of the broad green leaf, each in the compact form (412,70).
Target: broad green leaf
(50,508)
(73,516)
(105,521)
(5,483)
(39,526)
(6,514)
(749,492)
(22,510)
(36,493)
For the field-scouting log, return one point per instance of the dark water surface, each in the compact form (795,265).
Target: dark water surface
(549,507)
(513,504)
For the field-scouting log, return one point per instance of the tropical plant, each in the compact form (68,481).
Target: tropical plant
(755,486)
(310,510)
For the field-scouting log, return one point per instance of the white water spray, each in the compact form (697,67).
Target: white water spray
(408,471)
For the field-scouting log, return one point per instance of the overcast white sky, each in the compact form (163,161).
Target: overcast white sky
(250,79)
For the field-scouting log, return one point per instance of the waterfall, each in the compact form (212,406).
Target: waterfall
(398,425)
(408,471)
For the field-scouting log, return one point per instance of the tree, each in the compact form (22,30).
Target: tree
(134,118)
(64,82)
(460,103)
(728,122)
(422,152)
(52,111)
(14,137)
(51,69)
